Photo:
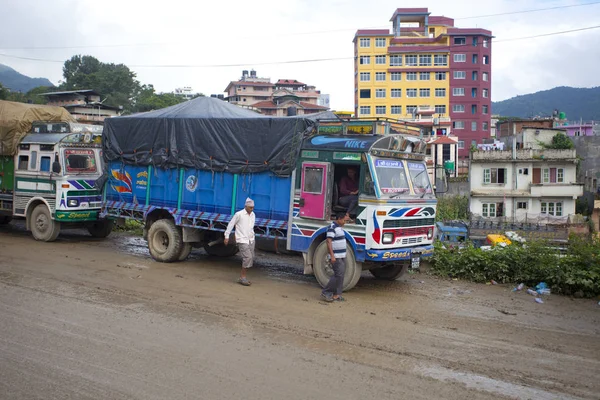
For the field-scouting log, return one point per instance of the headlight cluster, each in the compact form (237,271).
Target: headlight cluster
(73,203)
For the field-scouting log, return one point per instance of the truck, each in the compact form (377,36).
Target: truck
(183,172)
(49,164)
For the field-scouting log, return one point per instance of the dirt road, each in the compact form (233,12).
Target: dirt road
(81,318)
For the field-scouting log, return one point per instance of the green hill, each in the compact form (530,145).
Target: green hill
(16,82)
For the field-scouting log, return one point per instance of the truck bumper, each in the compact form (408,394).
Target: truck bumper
(77,216)
(399,254)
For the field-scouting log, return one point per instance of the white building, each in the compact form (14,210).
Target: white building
(526,183)
(185,92)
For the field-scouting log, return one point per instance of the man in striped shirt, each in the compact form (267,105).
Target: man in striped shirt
(336,243)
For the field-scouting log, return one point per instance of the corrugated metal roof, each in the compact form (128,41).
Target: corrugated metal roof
(86,91)
(43,138)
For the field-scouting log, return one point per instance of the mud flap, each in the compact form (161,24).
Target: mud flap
(308,269)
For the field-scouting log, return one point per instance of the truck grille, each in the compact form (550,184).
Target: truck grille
(407,223)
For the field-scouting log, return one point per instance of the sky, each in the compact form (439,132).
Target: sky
(206,44)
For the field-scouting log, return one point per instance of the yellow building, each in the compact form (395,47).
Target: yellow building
(405,74)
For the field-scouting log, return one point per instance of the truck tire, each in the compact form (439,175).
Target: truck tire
(391,272)
(186,249)
(220,250)
(100,229)
(165,241)
(5,219)
(323,270)
(43,227)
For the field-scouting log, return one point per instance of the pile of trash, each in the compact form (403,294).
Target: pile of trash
(540,289)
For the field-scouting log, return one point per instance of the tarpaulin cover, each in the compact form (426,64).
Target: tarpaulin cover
(16,120)
(206,133)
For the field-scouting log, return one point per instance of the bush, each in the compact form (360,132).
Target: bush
(576,271)
(452,208)
(131,226)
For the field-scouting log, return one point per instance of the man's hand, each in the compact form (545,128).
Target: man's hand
(226,241)
(332,259)
(355,192)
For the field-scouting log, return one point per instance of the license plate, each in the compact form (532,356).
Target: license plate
(415,262)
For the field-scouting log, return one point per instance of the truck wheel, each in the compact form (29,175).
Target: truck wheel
(43,227)
(100,229)
(323,270)
(220,250)
(390,273)
(5,219)
(186,249)
(165,241)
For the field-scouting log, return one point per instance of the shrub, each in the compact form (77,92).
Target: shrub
(452,208)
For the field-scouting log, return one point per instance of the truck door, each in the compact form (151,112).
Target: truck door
(315,190)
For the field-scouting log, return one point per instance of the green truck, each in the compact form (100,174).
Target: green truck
(49,164)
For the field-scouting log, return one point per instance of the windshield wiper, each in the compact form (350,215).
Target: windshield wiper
(399,193)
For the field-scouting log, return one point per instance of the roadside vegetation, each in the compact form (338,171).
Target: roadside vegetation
(575,271)
(131,226)
(452,208)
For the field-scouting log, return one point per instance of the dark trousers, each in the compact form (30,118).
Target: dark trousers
(336,282)
(350,202)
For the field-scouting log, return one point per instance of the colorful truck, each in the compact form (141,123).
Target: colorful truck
(49,164)
(185,170)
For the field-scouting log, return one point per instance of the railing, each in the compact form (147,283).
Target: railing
(527,154)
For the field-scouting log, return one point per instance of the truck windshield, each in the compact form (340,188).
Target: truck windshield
(391,176)
(419,177)
(80,161)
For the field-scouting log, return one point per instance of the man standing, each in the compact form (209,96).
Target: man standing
(349,191)
(243,222)
(336,243)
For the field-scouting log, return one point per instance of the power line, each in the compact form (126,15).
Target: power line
(292,33)
(307,60)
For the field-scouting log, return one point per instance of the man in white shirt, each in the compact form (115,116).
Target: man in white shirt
(243,222)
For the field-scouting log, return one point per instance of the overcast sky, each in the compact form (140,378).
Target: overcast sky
(148,35)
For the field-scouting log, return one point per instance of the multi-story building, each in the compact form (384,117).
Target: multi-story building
(285,97)
(527,182)
(427,71)
(84,105)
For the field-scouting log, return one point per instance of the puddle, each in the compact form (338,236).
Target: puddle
(490,385)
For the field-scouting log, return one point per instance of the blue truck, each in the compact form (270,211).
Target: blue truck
(185,170)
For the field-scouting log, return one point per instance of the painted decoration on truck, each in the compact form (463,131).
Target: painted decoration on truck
(123,182)
(191,183)
(377,229)
(412,212)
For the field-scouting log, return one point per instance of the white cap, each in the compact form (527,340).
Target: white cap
(249,202)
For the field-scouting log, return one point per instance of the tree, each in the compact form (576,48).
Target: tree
(4,93)
(149,100)
(561,141)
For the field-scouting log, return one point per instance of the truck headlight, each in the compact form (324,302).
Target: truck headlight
(388,238)
(73,203)
(430,233)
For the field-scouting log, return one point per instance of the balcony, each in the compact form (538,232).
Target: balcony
(524,155)
(571,190)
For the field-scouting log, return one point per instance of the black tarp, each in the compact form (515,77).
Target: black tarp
(206,133)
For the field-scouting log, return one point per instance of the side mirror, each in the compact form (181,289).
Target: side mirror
(370,187)
(441,180)
(56,167)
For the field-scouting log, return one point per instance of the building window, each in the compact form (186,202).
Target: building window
(474,75)
(396,76)
(424,76)
(458,124)
(440,92)
(494,176)
(365,110)
(458,108)
(396,60)
(475,59)
(440,109)
(396,109)
(425,60)
(485,76)
(365,60)
(396,93)
(524,171)
(484,126)
(365,93)
(473,108)
(492,210)
(45,164)
(380,76)
(486,59)
(411,92)
(440,60)
(380,110)
(474,126)
(485,109)
(486,42)
(411,110)
(552,208)
(380,60)
(380,93)
(424,92)
(474,92)
(440,76)
(365,76)
(553,175)
(411,60)
(475,41)
(411,76)
(560,175)
(485,93)
(461,144)
(458,91)
(521,205)
(459,74)
(365,42)
(460,58)
(380,42)
(460,41)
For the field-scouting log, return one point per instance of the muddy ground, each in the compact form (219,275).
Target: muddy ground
(83,318)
